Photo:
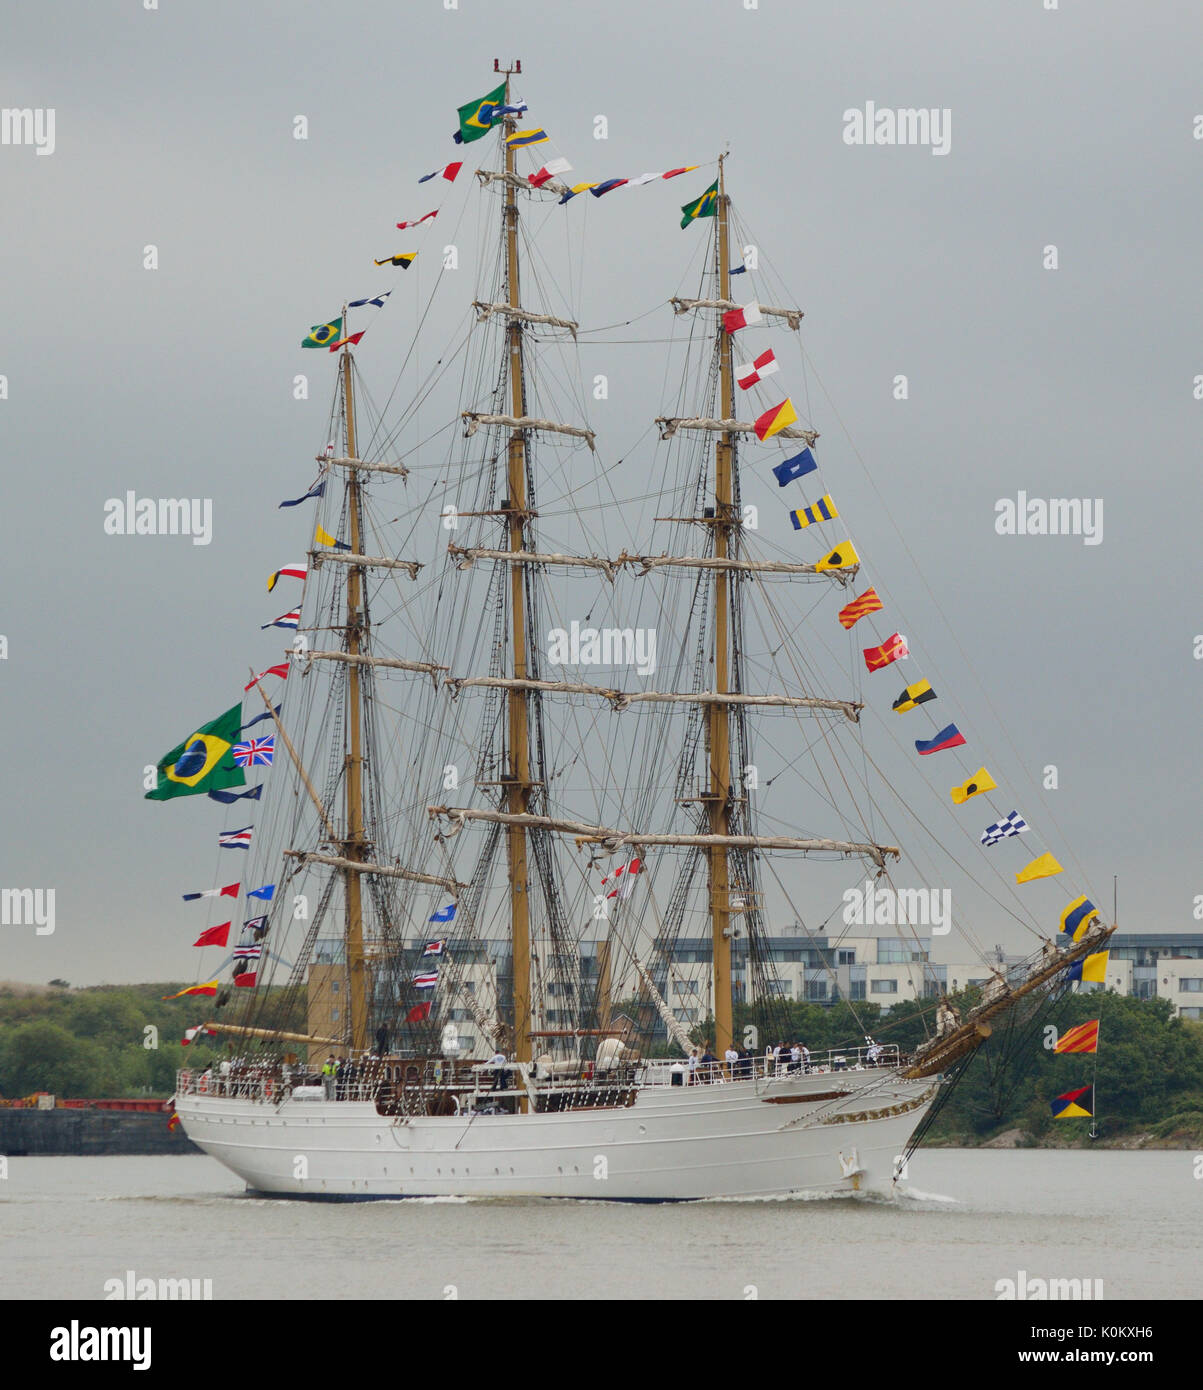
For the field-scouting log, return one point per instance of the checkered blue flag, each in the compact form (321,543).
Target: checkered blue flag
(1011,824)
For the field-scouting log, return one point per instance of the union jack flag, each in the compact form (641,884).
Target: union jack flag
(256,752)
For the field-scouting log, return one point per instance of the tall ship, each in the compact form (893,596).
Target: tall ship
(519,740)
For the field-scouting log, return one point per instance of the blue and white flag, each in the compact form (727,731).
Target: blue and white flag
(250,723)
(1011,824)
(317,490)
(235,839)
(265,893)
(797,467)
(377,300)
(256,924)
(444,914)
(228,798)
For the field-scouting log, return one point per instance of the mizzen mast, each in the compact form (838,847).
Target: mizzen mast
(353,844)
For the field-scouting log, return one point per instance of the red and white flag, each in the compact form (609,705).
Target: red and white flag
(281,671)
(756,370)
(448,173)
(229,891)
(401,226)
(670,174)
(747,316)
(297,571)
(549,171)
(624,876)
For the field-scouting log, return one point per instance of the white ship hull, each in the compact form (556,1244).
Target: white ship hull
(755,1138)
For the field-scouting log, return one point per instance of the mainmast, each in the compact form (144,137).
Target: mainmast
(353,845)
(719,714)
(518,773)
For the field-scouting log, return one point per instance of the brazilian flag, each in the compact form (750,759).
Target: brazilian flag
(705,206)
(477,117)
(323,334)
(201,763)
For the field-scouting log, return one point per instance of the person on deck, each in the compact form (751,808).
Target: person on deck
(329,1072)
(501,1077)
(381,1040)
(731,1058)
(693,1066)
(708,1064)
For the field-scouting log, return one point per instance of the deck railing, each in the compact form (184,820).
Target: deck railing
(387,1079)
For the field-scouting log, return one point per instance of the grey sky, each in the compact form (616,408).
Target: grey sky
(1070,127)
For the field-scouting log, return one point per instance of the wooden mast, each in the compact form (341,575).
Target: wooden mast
(353,843)
(718,717)
(518,773)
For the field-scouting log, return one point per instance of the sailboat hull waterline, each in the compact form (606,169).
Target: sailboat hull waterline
(841,1132)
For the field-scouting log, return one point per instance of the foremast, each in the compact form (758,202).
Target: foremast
(518,782)
(719,714)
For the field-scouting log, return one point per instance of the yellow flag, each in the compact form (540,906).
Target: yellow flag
(1044,867)
(981,781)
(841,558)
(323,537)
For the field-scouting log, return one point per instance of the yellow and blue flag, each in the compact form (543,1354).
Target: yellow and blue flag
(823,510)
(1077,917)
(520,138)
(1090,970)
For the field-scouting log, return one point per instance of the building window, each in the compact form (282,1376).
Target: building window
(685,986)
(334,986)
(883,986)
(689,1015)
(333,1015)
(1193,1012)
(779,987)
(857,990)
(816,989)
(1190,986)
(846,957)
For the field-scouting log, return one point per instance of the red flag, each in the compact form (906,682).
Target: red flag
(281,670)
(348,342)
(401,226)
(215,936)
(245,981)
(418,1013)
(892,649)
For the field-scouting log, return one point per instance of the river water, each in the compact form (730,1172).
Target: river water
(966,1220)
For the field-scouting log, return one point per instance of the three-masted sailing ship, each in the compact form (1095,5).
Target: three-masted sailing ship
(477,841)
